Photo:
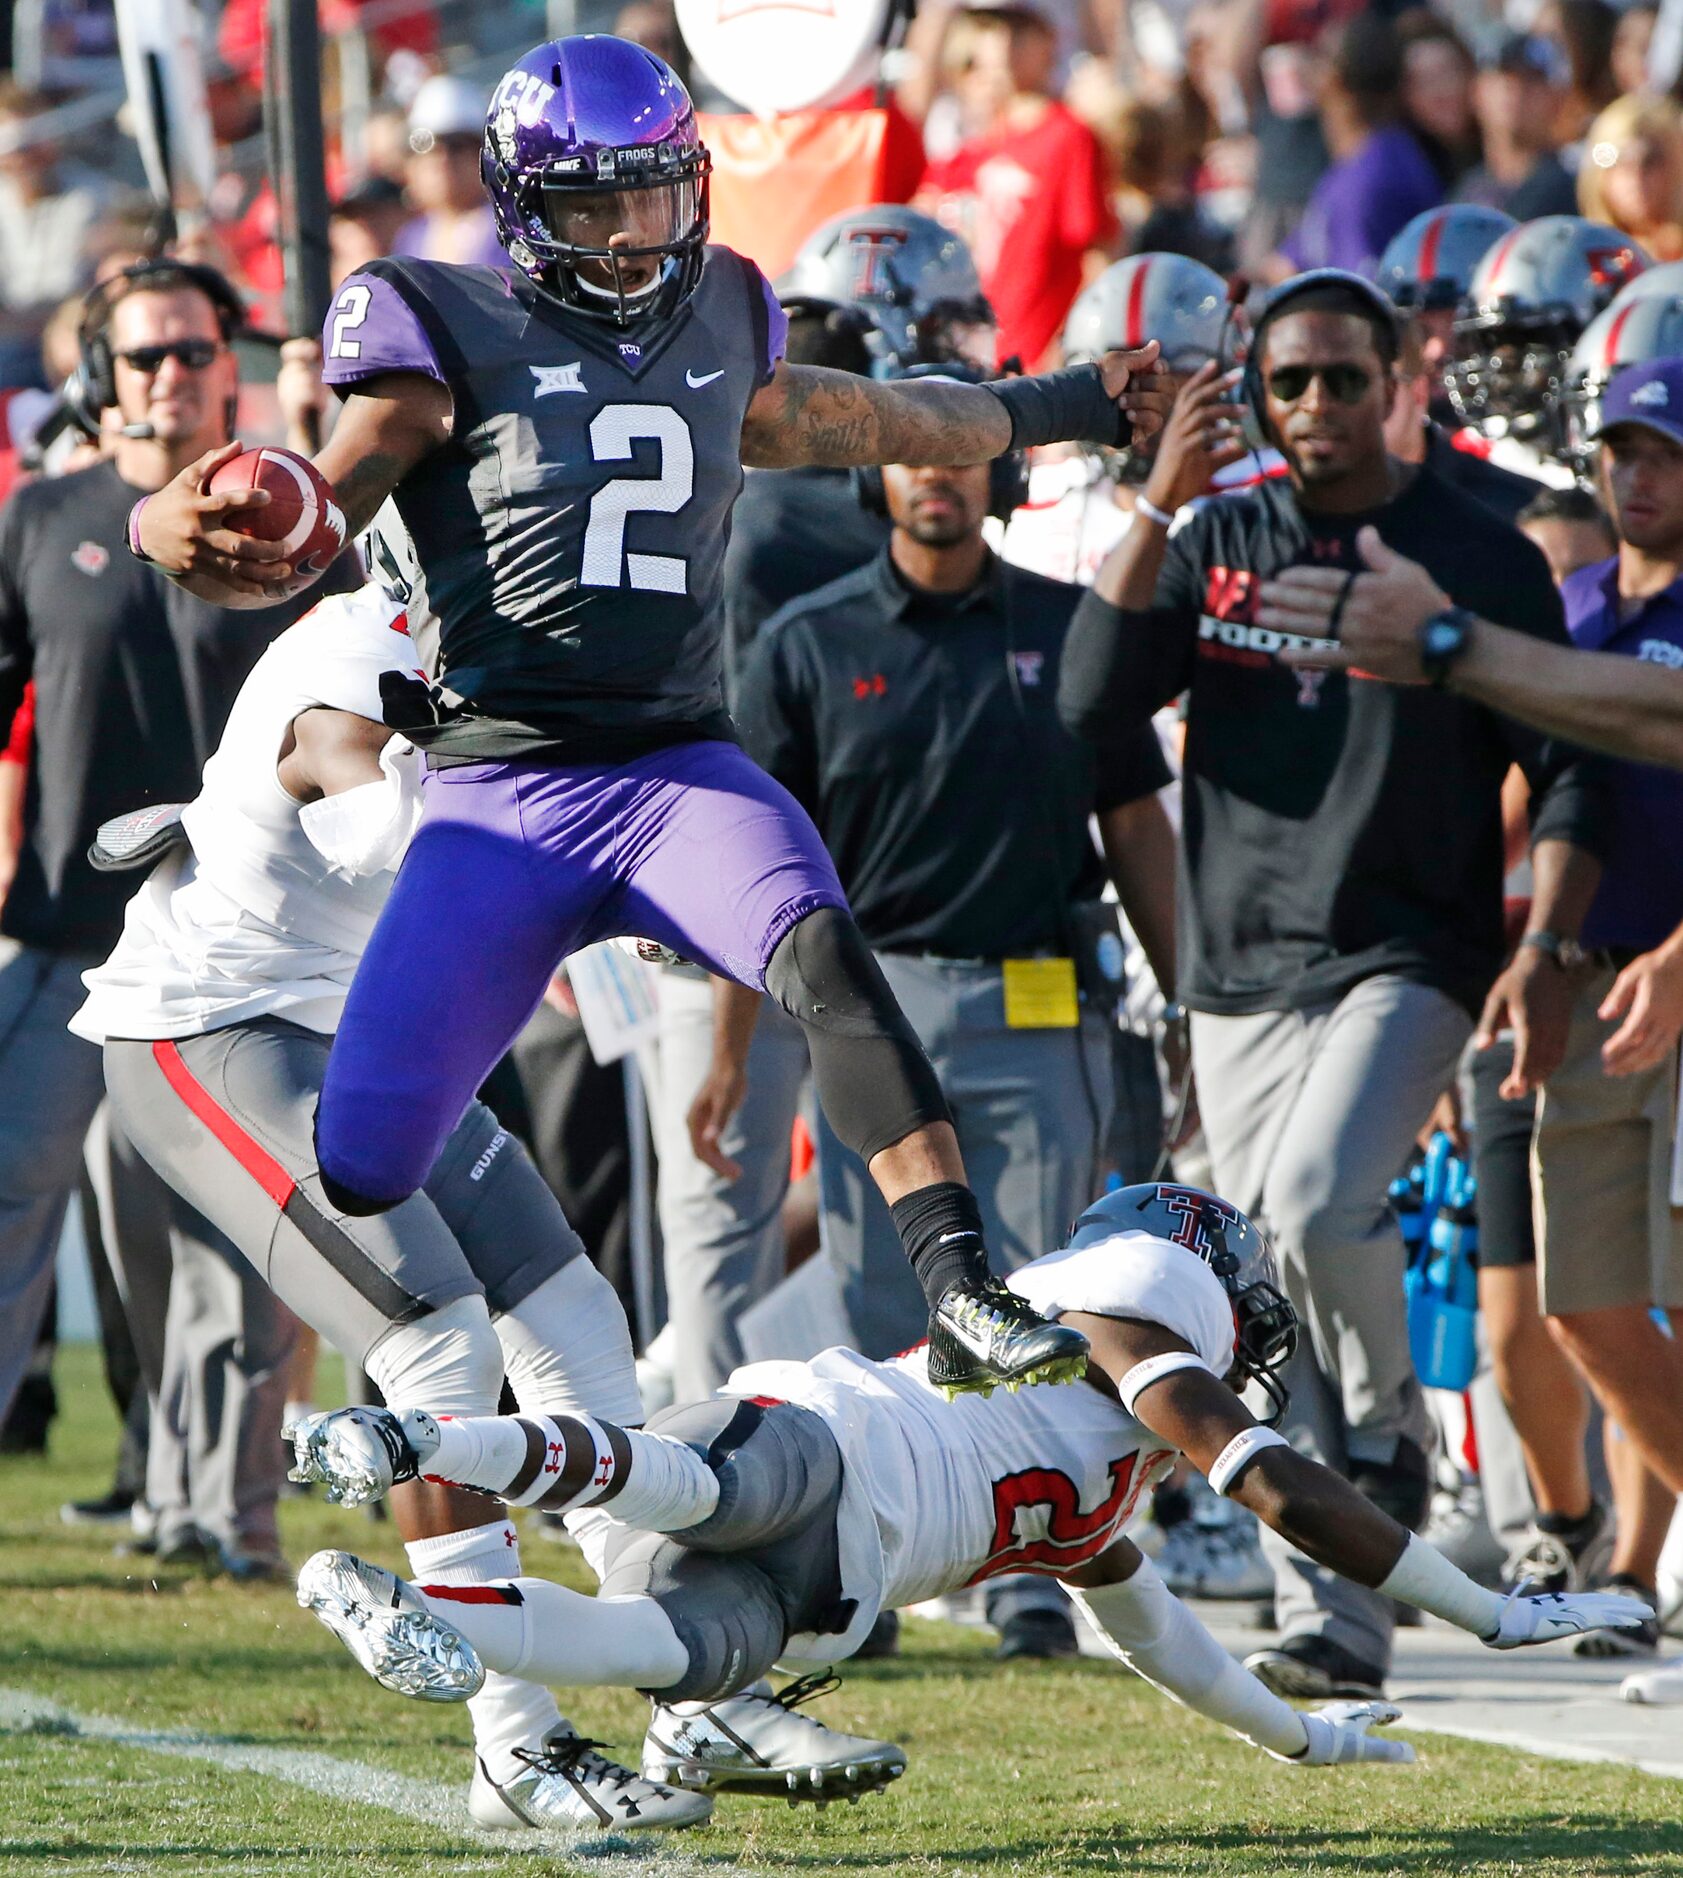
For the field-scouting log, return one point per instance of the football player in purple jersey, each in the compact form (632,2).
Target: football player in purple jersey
(562,442)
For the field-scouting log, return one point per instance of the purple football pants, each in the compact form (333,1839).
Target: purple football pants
(514,866)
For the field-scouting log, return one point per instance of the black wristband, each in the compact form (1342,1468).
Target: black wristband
(1071,406)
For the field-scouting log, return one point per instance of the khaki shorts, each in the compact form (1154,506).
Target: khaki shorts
(1607,1234)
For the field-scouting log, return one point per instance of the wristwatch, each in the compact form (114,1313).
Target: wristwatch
(1443,639)
(1566,953)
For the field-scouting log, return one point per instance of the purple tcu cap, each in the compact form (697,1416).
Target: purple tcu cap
(1650,394)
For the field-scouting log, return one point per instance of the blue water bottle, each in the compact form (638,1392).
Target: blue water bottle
(1443,1302)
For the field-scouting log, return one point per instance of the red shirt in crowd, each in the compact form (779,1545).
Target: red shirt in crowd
(1030,203)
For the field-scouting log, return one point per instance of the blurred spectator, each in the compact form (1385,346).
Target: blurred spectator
(1631,40)
(364,225)
(1583,30)
(653,24)
(385,143)
(48,204)
(1518,99)
(1437,92)
(1570,527)
(446,130)
(1152,163)
(1381,176)
(1632,173)
(1027,192)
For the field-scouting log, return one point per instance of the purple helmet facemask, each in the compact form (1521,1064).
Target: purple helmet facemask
(586,139)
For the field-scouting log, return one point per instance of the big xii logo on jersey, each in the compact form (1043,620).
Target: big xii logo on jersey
(1228,631)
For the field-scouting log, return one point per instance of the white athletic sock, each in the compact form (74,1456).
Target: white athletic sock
(544,1631)
(508,1713)
(645,1480)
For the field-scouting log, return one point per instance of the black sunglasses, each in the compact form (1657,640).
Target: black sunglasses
(1349,384)
(195,354)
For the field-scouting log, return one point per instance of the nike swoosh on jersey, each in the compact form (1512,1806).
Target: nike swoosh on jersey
(706,378)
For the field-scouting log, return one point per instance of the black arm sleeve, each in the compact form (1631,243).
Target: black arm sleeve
(1130,765)
(1570,789)
(1120,667)
(774,717)
(17,655)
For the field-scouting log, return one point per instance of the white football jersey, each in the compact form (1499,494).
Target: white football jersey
(253,921)
(936,1495)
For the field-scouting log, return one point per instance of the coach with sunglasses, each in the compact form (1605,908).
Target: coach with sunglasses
(133,683)
(1340,918)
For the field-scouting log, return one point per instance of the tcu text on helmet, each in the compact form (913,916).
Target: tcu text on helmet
(525,94)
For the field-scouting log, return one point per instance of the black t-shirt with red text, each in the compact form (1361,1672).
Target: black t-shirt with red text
(1334,827)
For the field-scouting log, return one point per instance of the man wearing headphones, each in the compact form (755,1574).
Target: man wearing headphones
(133,681)
(909,708)
(1341,920)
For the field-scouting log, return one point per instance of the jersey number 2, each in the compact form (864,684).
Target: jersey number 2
(613,431)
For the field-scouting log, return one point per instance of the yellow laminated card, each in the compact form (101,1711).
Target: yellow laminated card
(1040,994)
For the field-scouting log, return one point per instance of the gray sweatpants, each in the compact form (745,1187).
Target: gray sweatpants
(213,1343)
(227,1118)
(1309,1116)
(50,1086)
(1032,1109)
(723,1239)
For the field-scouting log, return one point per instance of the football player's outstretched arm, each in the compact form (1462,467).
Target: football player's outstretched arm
(1317,1510)
(808,415)
(387,426)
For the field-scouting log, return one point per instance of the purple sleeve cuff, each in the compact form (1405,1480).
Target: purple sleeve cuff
(777,329)
(371,329)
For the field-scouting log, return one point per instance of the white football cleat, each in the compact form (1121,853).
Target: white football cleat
(387,1627)
(566,1785)
(1659,1688)
(758,1743)
(360,1454)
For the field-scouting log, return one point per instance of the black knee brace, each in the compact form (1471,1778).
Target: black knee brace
(871,1073)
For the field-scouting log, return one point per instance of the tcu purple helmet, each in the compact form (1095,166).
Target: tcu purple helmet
(586,139)
(1633,331)
(1264,1323)
(905,271)
(1531,298)
(1430,263)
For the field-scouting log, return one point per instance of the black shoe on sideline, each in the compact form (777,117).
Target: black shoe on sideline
(1041,1636)
(882,1639)
(1315,1669)
(110,1509)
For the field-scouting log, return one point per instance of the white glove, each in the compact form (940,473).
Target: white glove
(1339,1733)
(1550,1614)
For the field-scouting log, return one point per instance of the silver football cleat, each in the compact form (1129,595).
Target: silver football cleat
(387,1627)
(360,1454)
(759,1743)
(566,1785)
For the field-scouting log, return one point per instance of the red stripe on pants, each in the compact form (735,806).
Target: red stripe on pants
(257,1161)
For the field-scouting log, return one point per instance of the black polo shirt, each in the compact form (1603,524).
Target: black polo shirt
(134,680)
(921,733)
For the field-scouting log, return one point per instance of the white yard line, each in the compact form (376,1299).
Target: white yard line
(430,1803)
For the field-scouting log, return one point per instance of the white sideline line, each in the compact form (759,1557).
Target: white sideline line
(1518,1742)
(430,1804)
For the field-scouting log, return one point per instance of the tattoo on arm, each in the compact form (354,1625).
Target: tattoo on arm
(365,485)
(835,419)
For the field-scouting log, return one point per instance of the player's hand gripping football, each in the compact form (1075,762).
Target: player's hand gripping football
(1143,387)
(1338,1734)
(1544,1616)
(183,528)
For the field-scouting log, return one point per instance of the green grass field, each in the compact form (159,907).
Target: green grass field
(1067,1768)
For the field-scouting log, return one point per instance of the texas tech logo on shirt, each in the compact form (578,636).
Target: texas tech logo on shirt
(1228,632)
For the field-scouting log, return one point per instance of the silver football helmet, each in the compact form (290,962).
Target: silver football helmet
(1531,298)
(1179,302)
(1235,1249)
(911,275)
(1631,332)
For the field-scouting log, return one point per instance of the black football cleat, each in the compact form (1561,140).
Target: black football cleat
(982,1334)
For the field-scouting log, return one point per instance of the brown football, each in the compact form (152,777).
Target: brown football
(302,512)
